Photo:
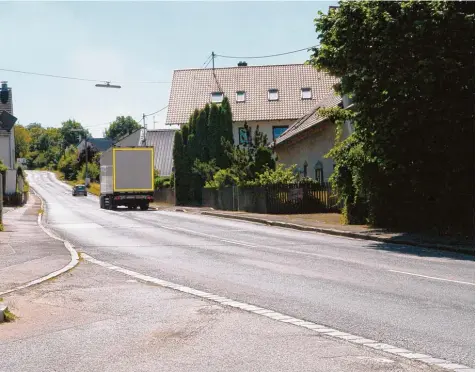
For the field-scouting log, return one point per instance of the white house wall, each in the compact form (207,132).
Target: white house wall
(311,149)
(6,149)
(10,182)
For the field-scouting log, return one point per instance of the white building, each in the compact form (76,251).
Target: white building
(7,142)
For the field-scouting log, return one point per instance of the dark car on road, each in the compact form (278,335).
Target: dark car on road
(80,190)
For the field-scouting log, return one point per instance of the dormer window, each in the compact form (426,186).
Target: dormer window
(306,93)
(217,97)
(273,95)
(241,96)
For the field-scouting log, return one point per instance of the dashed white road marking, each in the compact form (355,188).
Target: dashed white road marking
(283,318)
(432,277)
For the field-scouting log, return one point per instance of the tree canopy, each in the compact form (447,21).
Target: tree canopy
(72,137)
(122,126)
(409,69)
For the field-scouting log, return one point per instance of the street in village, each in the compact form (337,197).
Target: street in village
(175,291)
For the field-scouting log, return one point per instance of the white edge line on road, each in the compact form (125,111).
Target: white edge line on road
(74,255)
(431,277)
(283,318)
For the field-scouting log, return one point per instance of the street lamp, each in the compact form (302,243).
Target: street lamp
(108,85)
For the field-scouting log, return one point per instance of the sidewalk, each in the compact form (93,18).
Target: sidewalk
(93,319)
(26,251)
(330,223)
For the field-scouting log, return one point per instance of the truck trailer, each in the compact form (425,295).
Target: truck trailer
(127,177)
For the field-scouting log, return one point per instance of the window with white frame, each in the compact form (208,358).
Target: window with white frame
(273,94)
(306,93)
(240,96)
(217,97)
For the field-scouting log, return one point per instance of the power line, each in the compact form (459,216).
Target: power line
(156,112)
(207,62)
(82,79)
(268,56)
(49,75)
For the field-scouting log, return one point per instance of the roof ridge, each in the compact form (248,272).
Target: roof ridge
(162,130)
(243,67)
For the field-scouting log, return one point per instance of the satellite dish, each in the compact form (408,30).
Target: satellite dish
(7,121)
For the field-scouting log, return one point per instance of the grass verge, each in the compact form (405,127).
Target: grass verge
(9,316)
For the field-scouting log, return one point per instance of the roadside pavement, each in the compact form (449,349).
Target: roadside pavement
(26,251)
(330,223)
(94,319)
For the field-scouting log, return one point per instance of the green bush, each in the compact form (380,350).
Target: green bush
(222,178)
(68,165)
(280,175)
(93,172)
(161,182)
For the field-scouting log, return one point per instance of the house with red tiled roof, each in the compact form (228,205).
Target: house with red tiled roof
(273,97)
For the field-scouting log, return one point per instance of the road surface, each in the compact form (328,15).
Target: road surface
(417,299)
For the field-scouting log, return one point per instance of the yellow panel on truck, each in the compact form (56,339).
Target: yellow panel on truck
(133,169)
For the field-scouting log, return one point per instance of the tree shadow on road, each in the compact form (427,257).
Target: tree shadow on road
(399,247)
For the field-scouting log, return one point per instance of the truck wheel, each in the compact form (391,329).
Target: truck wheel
(144,207)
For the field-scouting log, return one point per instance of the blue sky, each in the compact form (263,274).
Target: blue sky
(131,42)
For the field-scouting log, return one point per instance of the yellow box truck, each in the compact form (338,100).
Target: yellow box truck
(127,177)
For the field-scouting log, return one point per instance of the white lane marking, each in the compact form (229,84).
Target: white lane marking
(283,318)
(432,277)
(74,256)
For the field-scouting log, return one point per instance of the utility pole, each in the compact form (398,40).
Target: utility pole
(213,60)
(145,129)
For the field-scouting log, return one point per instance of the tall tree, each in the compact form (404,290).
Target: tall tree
(22,141)
(409,68)
(214,131)
(182,173)
(122,126)
(201,135)
(71,137)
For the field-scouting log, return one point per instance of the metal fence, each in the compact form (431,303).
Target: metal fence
(274,199)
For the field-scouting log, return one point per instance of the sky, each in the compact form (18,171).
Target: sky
(133,42)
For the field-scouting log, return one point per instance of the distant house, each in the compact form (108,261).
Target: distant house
(161,139)
(310,138)
(273,97)
(7,142)
(96,144)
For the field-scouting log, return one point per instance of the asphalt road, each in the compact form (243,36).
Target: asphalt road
(413,298)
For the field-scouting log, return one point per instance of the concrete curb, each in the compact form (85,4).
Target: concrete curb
(74,255)
(347,234)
